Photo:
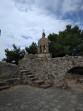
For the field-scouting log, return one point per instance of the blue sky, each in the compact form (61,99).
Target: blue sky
(22,21)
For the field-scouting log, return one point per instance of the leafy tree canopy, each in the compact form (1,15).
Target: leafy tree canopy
(67,42)
(14,55)
(32,49)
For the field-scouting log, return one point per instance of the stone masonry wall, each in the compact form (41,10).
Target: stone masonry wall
(51,69)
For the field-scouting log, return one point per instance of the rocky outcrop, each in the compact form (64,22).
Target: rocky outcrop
(9,75)
(8,70)
(52,70)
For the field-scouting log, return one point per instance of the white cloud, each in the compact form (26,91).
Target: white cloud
(45,5)
(51,5)
(72,5)
(2,47)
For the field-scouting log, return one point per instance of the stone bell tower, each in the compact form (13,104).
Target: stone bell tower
(43,46)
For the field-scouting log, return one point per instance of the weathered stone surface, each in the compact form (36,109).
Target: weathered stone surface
(52,70)
(31,79)
(26,98)
(8,70)
(8,75)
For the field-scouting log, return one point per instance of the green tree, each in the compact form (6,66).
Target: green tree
(66,42)
(32,49)
(14,55)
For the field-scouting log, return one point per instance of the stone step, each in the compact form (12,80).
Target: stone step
(3,85)
(8,82)
(38,82)
(13,81)
(30,76)
(45,86)
(29,73)
(21,68)
(24,71)
(33,79)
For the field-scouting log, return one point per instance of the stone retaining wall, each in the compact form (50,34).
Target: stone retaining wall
(51,69)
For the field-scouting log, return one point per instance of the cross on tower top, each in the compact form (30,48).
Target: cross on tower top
(43,34)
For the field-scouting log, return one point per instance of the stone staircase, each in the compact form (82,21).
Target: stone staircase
(7,83)
(29,78)
(24,77)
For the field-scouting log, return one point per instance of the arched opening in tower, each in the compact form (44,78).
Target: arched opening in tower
(44,48)
(40,49)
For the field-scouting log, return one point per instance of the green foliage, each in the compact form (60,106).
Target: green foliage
(32,49)
(14,55)
(67,42)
